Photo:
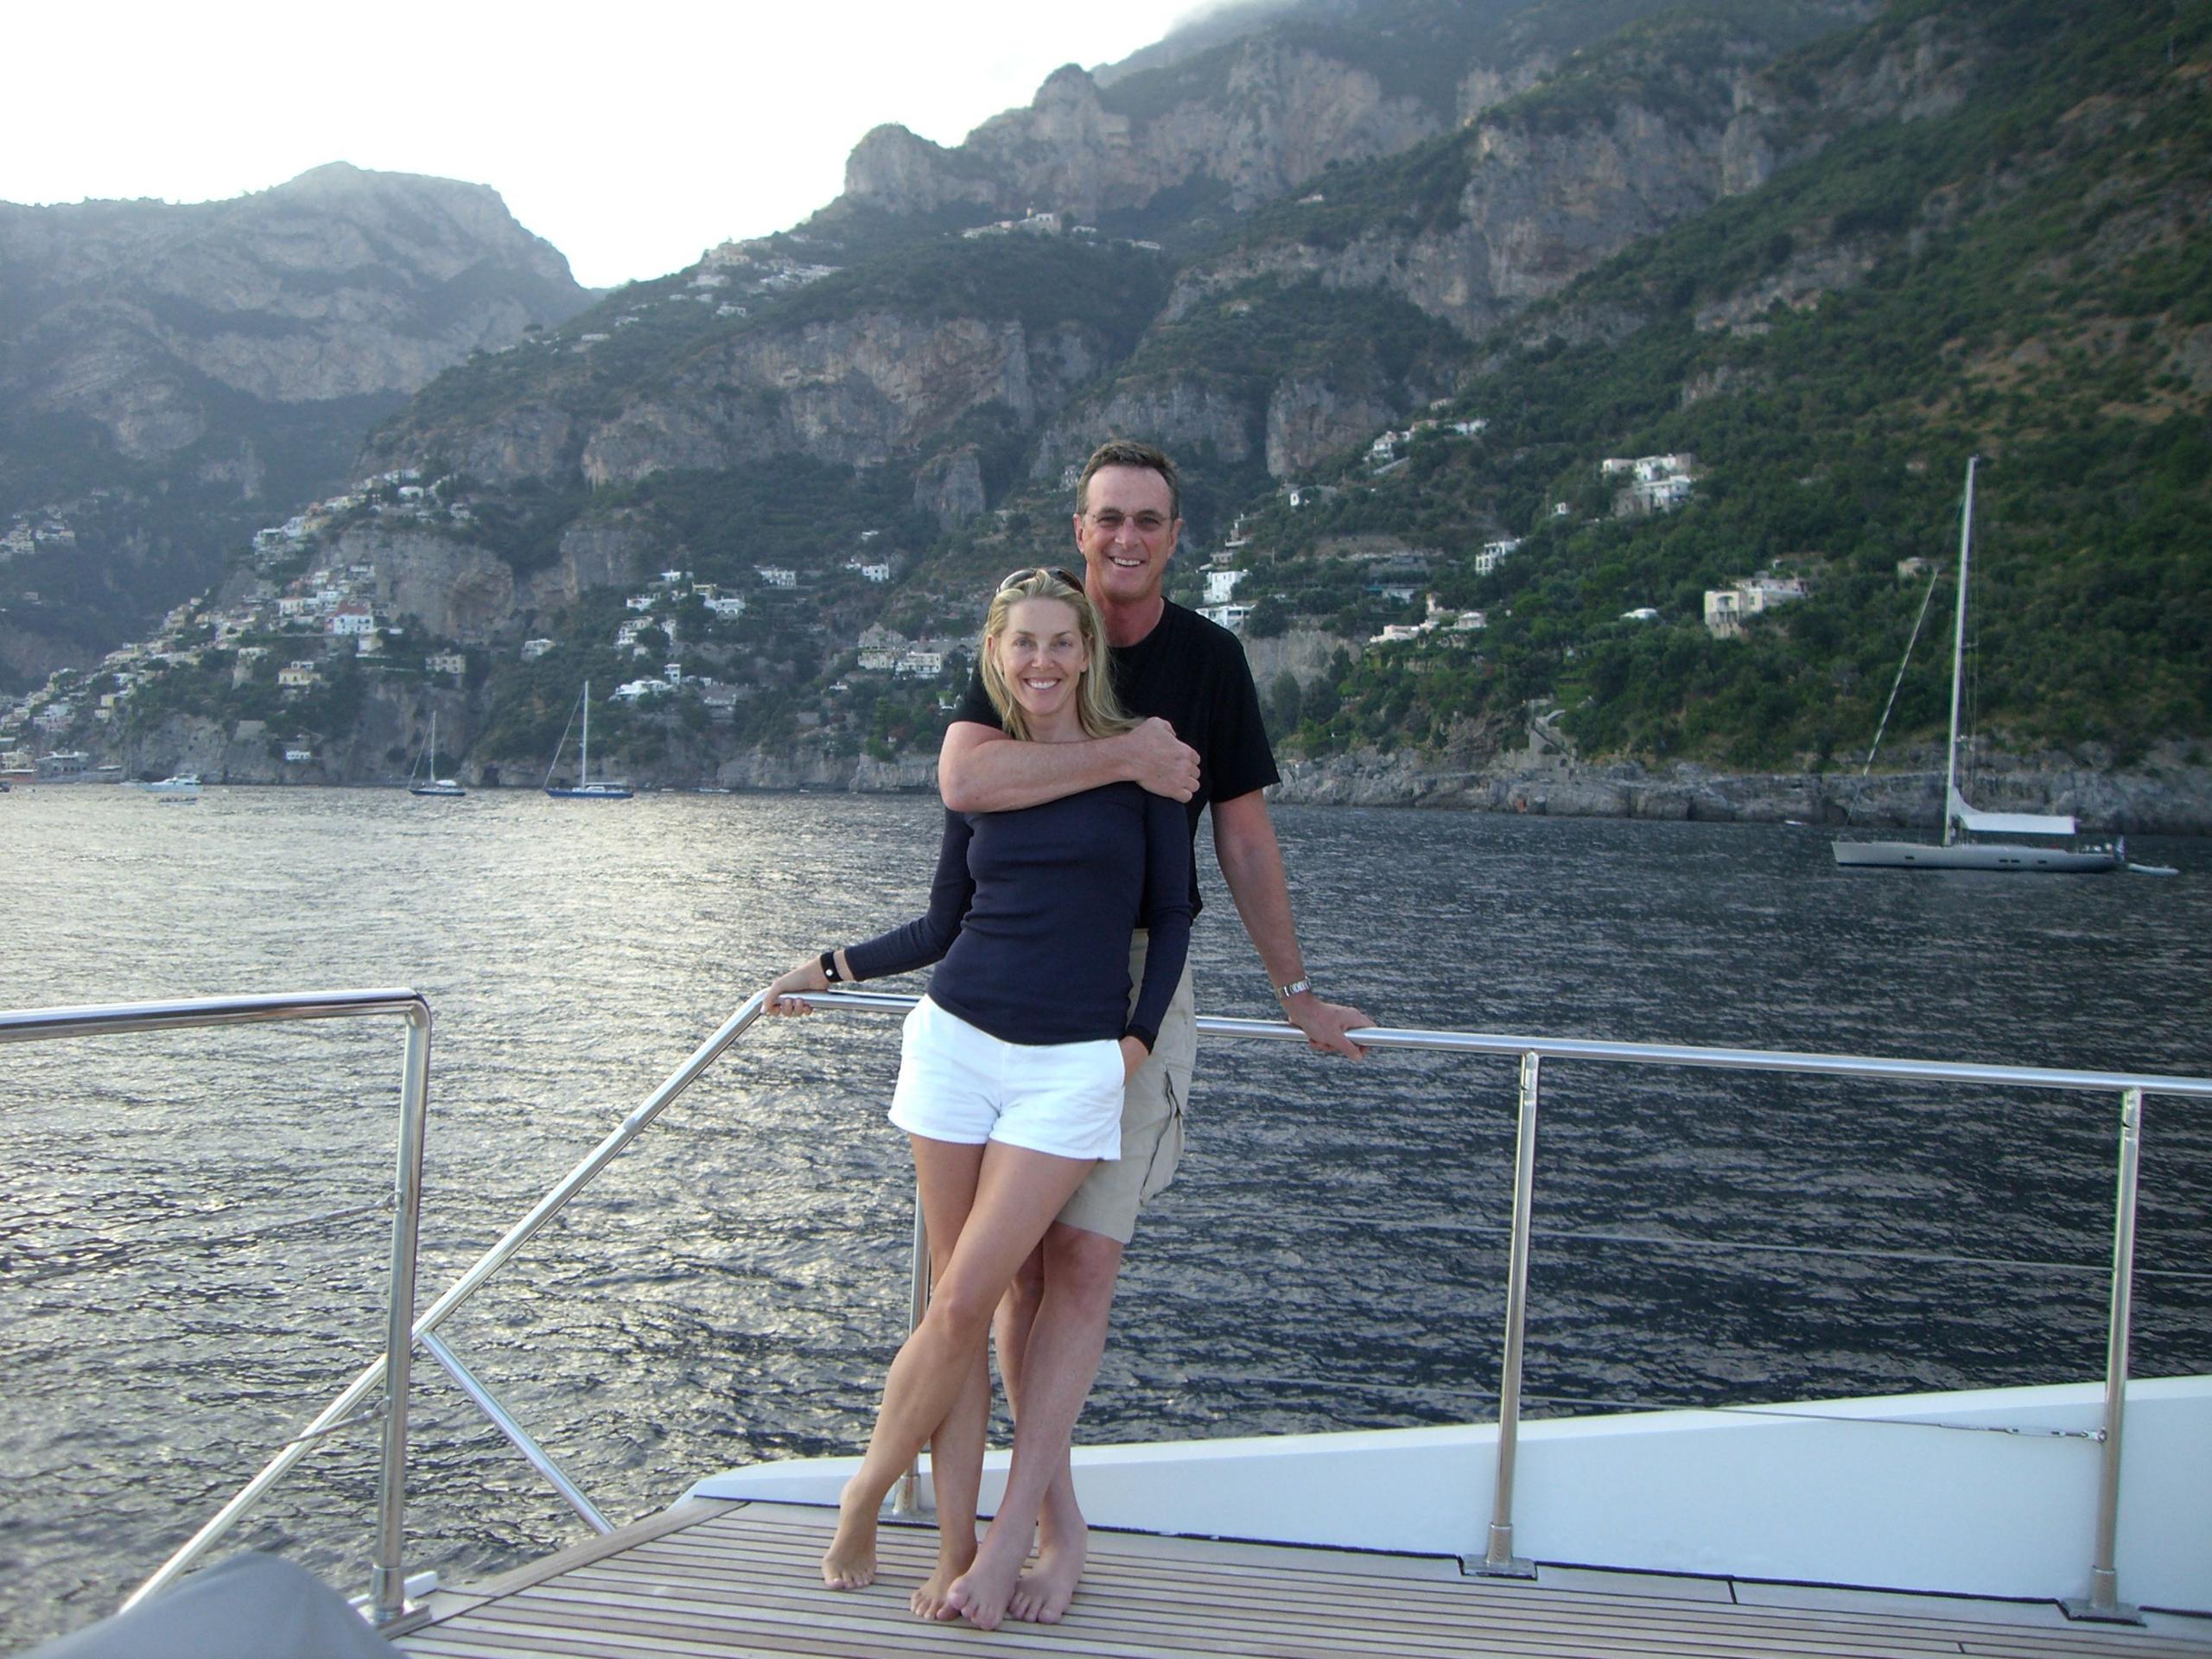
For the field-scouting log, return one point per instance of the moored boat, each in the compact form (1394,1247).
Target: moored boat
(584,789)
(424,780)
(75,766)
(1974,840)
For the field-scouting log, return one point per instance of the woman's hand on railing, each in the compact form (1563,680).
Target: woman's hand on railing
(783,991)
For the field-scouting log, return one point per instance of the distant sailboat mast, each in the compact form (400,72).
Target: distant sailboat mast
(1971,838)
(1958,662)
(583,789)
(583,775)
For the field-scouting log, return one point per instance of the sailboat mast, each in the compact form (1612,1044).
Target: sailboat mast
(583,775)
(1958,659)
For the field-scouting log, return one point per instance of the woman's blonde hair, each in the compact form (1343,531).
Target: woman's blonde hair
(1098,709)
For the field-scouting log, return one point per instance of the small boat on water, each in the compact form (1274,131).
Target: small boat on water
(184,786)
(583,789)
(1974,840)
(424,780)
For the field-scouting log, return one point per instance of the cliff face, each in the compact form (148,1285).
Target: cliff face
(462,591)
(1541,205)
(860,391)
(1281,116)
(341,283)
(872,387)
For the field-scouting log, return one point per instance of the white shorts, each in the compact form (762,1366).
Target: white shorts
(961,1084)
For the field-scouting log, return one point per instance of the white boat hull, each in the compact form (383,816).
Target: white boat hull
(1975,855)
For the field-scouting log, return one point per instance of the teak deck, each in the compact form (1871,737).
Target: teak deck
(734,1580)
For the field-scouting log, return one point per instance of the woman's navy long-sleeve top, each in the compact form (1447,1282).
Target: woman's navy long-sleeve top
(1030,913)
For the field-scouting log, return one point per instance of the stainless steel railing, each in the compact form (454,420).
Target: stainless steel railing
(2101,1602)
(388,1597)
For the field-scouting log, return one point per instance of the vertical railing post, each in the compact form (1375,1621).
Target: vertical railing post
(1499,1560)
(2103,1603)
(388,1593)
(907,1496)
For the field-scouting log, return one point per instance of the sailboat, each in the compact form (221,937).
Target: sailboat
(583,789)
(1974,840)
(428,783)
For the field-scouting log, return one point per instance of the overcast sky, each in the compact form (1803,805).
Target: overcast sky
(630,137)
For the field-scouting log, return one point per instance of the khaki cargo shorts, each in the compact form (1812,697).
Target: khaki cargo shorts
(1152,1118)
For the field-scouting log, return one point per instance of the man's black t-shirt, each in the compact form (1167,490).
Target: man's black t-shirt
(1190,673)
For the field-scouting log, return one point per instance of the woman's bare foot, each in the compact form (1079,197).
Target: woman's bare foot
(980,1595)
(952,1559)
(850,1562)
(928,1600)
(1044,1591)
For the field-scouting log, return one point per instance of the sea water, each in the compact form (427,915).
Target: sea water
(192,1239)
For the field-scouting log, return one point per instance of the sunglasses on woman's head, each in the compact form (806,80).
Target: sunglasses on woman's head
(1015,578)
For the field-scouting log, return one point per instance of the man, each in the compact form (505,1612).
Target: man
(1203,743)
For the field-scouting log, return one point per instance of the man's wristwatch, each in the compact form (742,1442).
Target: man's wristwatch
(1285,992)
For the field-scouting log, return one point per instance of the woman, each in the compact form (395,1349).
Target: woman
(1011,1074)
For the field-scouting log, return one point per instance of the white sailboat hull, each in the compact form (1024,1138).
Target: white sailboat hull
(1975,855)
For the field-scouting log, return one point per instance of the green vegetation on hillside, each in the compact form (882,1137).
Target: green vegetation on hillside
(2032,264)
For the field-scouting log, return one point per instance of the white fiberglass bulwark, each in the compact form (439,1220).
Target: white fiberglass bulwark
(1988,1493)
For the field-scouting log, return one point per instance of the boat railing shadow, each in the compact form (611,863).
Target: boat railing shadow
(383,1383)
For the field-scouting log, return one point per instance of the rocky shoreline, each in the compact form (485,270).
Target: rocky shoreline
(2167,796)
(2169,793)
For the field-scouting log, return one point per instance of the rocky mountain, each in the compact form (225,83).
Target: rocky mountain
(1204,163)
(1494,335)
(170,373)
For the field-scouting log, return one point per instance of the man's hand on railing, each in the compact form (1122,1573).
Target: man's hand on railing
(1325,1023)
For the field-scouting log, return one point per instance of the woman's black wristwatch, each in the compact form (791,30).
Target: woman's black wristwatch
(830,968)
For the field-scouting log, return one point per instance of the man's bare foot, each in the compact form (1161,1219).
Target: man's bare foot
(850,1562)
(980,1595)
(1044,1591)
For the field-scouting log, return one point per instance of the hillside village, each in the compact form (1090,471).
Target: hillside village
(301,620)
